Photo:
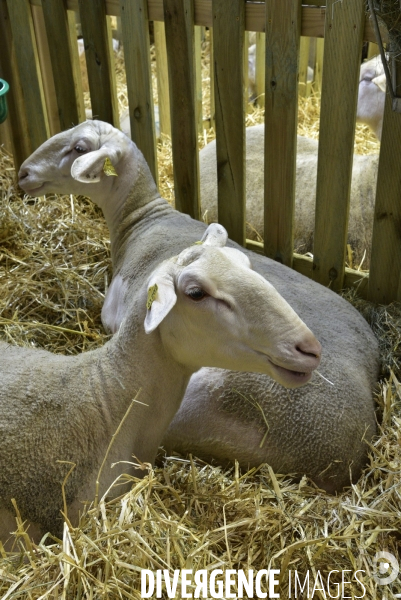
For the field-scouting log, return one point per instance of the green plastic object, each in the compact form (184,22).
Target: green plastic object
(4,87)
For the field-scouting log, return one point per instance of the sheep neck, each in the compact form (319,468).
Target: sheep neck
(133,189)
(133,361)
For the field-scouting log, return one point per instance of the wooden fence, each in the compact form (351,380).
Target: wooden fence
(38,57)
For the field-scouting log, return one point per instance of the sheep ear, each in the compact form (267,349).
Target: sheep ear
(90,167)
(215,235)
(161,299)
(380,81)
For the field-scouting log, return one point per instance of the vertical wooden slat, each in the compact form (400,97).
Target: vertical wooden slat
(198,77)
(342,53)
(29,70)
(318,70)
(16,120)
(246,69)
(6,135)
(135,30)
(283,31)
(228,48)
(303,66)
(162,78)
(260,69)
(179,24)
(46,70)
(97,54)
(119,30)
(385,263)
(72,35)
(373,50)
(57,29)
(113,79)
(211,82)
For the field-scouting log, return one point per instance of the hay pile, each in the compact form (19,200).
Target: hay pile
(54,271)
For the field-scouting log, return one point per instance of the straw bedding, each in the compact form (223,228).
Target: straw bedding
(54,271)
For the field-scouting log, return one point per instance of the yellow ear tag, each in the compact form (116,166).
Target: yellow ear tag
(108,168)
(197,243)
(152,292)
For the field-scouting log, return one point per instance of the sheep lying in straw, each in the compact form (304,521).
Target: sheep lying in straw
(204,307)
(363,190)
(320,429)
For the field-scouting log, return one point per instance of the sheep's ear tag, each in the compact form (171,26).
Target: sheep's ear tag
(197,243)
(108,168)
(152,291)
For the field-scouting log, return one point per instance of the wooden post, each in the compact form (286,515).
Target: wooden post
(198,77)
(79,96)
(342,54)
(29,70)
(228,48)
(162,78)
(385,262)
(246,69)
(211,81)
(303,67)
(135,30)
(61,55)
(46,69)
(318,70)
(260,75)
(179,23)
(283,31)
(97,53)
(373,50)
(16,120)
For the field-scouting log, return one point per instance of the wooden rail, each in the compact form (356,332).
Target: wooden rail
(312,22)
(343,24)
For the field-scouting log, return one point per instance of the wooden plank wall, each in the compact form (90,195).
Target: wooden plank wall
(57,29)
(27,62)
(342,51)
(179,24)
(23,64)
(135,31)
(98,60)
(15,127)
(385,268)
(228,52)
(283,32)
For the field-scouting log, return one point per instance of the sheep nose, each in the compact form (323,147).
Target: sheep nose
(309,346)
(23,173)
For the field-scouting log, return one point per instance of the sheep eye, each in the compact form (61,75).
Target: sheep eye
(196,294)
(80,149)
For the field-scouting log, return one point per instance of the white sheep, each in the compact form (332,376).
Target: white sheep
(363,191)
(319,430)
(372,95)
(204,307)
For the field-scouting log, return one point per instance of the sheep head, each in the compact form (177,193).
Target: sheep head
(92,159)
(250,327)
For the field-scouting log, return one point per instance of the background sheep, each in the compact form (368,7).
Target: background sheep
(363,190)
(321,429)
(372,95)
(58,411)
